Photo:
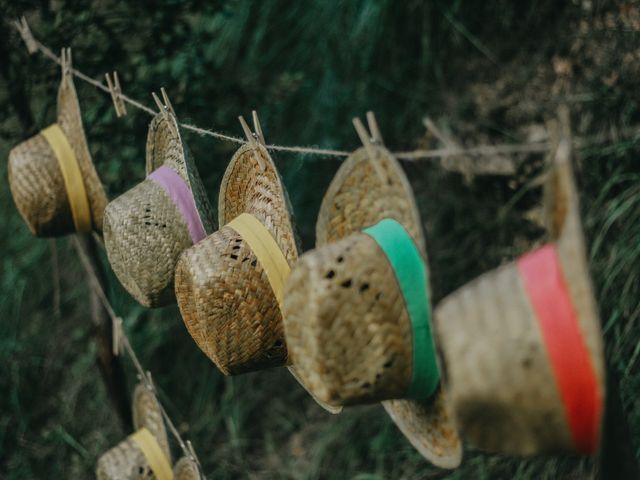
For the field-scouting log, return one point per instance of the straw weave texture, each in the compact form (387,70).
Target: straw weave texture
(223,292)
(126,461)
(498,371)
(498,374)
(70,121)
(356,346)
(38,188)
(145,232)
(347,327)
(186,469)
(36,181)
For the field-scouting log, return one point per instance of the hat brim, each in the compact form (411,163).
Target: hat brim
(70,121)
(251,184)
(145,230)
(234,201)
(165,146)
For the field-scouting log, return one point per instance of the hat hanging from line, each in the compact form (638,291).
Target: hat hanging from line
(147,228)
(52,178)
(229,287)
(522,343)
(356,310)
(145,453)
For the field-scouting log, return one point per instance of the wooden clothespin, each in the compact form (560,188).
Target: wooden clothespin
(27,37)
(192,453)
(116,336)
(66,63)
(376,136)
(147,381)
(166,109)
(116,94)
(370,140)
(194,457)
(256,137)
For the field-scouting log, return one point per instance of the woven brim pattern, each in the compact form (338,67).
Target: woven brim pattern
(563,213)
(36,181)
(126,461)
(144,231)
(347,327)
(224,295)
(499,375)
(70,122)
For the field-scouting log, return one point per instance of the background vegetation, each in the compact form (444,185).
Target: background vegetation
(486,72)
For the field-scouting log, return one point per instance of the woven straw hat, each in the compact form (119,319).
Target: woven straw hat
(36,179)
(148,227)
(186,469)
(126,461)
(224,292)
(347,325)
(523,345)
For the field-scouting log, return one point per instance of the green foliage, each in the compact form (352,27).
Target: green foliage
(485,69)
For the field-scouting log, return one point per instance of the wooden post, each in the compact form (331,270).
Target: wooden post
(617,454)
(110,367)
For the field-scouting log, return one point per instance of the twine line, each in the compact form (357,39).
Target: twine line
(411,155)
(414,155)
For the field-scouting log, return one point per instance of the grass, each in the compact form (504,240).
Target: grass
(484,69)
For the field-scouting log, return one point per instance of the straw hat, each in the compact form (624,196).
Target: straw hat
(51,175)
(147,228)
(523,345)
(224,287)
(128,460)
(186,469)
(347,324)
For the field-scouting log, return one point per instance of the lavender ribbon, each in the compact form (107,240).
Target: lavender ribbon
(181,196)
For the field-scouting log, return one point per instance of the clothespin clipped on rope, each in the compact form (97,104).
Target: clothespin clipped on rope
(192,453)
(27,37)
(256,137)
(166,109)
(116,336)
(147,380)
(371,139)
(66,63)
(116,94)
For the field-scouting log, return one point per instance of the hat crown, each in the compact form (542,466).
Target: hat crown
(165,146)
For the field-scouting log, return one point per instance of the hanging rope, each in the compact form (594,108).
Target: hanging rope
(120,339)
(34,45)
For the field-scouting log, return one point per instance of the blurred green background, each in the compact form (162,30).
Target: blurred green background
(485,72)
